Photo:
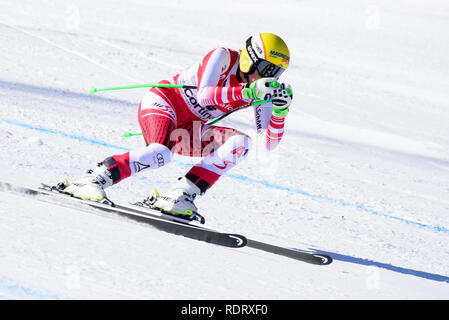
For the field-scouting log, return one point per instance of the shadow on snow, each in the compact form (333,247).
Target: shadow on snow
(367,262)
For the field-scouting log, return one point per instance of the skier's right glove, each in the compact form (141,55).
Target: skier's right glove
(282,99)
(261,89)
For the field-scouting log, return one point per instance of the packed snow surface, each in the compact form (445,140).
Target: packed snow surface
(361,174)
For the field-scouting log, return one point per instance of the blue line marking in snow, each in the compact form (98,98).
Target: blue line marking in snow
(337,201)
(64,134)
(19,291)
(243,178)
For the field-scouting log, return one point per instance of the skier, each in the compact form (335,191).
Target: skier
(173,120)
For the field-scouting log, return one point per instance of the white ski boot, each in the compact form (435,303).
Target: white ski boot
(91,185)
(178,201)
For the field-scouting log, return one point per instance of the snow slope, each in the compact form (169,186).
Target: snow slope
(362,172)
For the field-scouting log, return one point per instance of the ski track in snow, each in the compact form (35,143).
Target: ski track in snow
(361,174)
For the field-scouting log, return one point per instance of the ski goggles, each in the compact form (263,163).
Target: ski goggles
(267,69)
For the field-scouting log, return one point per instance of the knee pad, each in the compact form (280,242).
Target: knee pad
(231,153)
(153,156)
(235,149)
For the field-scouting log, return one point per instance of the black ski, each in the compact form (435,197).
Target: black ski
(165,223)
(155,220)
(309,257)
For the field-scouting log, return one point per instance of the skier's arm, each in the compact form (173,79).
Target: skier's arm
(270,117)
(269,127)
(214,67)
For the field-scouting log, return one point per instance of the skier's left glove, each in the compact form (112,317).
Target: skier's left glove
(281,100)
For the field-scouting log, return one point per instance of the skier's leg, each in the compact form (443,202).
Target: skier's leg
(157,120)
(222,149)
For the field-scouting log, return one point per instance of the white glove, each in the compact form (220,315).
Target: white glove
(282,99)
(261,89)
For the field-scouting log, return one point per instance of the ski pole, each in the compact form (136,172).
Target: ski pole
(134,86)
(128,134)
(255,103)
(170,85)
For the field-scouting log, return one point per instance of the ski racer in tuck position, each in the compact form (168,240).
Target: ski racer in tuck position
(173,120)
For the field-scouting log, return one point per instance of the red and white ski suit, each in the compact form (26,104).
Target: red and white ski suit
(174,121)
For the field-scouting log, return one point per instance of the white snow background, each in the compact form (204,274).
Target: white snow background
(361,174)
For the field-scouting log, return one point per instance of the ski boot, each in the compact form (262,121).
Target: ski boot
(90,186)
(177,202)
